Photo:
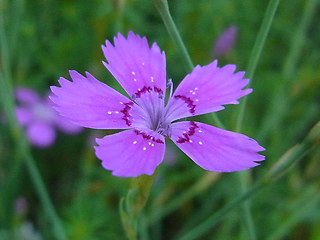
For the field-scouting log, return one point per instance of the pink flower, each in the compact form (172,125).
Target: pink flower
(39,119)
(141,71)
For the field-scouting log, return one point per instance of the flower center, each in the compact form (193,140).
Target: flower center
(151,101)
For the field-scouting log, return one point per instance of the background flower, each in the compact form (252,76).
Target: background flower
(39,119)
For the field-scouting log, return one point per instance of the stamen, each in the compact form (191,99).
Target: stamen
(170,84)
(133,97)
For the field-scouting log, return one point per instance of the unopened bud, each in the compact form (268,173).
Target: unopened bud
(225,42)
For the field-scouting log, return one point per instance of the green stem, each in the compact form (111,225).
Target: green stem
(246,209)
(22,147)
(131,206)
(256,53)
(163,8)
(253,61)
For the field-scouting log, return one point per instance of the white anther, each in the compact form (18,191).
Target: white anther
(200,131)
(149,143)
(133,73)
(190,141)
(193,93)
(116,112)
(134,142)
(134,79)
(195,88)
(109,112)
(152,145)
(152,79)
(121,102)
(200,142)
(142,63)
(197,100)
(144,148)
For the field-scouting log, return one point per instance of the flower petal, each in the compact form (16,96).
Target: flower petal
(205,90)
(90,103)
(136,66)
(131,153)
(215,149)
(26,96)
(24,115)
(40,134)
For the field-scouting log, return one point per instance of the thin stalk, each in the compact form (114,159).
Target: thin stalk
(246,208)
(131,206)
(252,65)
(256,53)
(21,144)
(163,8)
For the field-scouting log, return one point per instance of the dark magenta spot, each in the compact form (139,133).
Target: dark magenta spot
(148,89)
(186,136)
(148,137)
(125,112)
(188,101)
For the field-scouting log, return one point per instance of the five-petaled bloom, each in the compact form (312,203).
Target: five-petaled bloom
(141,71)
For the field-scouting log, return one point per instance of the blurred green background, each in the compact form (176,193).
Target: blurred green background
(46,38)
